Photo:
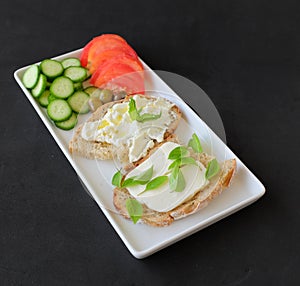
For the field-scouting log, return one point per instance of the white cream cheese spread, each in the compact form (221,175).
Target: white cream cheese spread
(162,199)
(117,128)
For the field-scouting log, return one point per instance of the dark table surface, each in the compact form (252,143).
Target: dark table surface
(244,54)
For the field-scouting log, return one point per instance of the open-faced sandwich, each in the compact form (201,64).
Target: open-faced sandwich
(172,182)
(126,130)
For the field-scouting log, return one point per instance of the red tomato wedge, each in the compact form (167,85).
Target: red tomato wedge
(110,54)
(85,51)
(135,64)
(115,75)
(113,64)
(105,44)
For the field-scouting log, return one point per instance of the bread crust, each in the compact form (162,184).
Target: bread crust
(194,204)
(105,151)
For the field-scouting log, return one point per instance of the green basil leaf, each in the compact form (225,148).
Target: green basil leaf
(147,117)
(176,180)
(188,161)
(145,176)
(134,209)
(183,161)
(175,163)
(178,152)
(117,178)
(133,113)
(195,144)
(130,182)
(141,179)
(156,182)
(180,182)
(213,168)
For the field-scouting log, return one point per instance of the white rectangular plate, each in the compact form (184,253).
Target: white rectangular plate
(143,240)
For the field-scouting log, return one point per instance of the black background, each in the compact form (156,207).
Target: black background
(244,54)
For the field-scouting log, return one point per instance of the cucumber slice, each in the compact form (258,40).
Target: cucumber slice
(43,99)
(31,76)
(69,123)
(78,86)
(59,110)
(40,86)
(51,68)
(62,87)
(79,102)
(70,62)
(76,74)
(51,97)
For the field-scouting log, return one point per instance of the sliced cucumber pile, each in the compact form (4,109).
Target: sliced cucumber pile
(58,87)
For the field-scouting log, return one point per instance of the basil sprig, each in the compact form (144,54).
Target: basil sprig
(136,114)
(141,179)
(183,161)
(181,158)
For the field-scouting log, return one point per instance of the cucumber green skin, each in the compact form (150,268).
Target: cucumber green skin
(44,68)
(54,86)
(64,114)
(39,87)
(69,123)
(70,62)
(68,73)
(43,99)
(28,73)
(79,102)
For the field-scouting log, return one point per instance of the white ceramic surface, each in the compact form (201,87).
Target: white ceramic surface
(143,240)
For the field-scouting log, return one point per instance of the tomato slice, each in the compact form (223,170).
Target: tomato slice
(85,53)
(106,44)
(134,64)
(110,54)
(114,75)
(87,47)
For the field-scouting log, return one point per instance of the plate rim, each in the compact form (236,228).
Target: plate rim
(109,215)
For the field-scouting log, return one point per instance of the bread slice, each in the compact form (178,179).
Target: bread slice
(106,151)
(198,201)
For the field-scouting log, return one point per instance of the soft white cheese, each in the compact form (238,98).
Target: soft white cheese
(117,128)
(162,199)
